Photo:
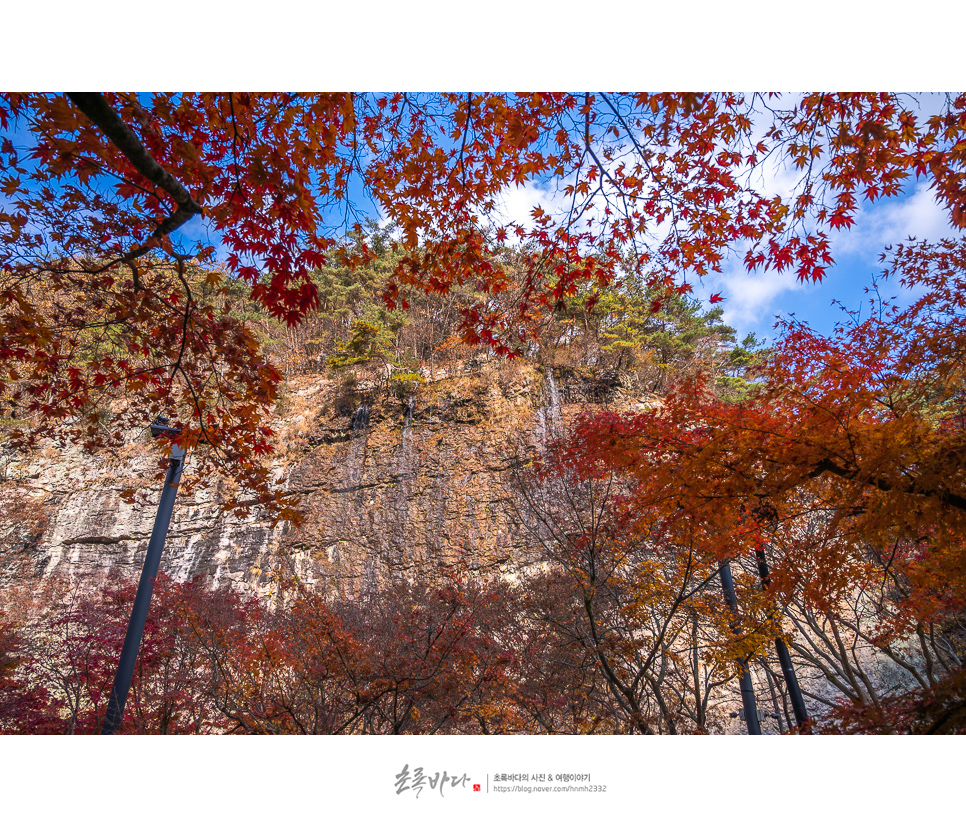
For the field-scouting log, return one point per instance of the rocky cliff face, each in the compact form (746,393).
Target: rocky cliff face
(389,484)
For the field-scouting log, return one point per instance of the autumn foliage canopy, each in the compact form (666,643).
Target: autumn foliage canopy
(847,462)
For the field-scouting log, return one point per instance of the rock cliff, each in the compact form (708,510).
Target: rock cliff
(389,482)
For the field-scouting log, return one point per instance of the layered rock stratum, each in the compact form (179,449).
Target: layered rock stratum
(390,483)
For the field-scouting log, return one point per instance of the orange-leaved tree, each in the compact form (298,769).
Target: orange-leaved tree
(622,602)
(847,464)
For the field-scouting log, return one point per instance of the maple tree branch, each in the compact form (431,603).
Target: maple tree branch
(944,495)
(96,108)
(234,149)
(466,130)
(187,317)
(637,146)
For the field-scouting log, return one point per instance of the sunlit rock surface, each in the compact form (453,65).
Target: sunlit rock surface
(390,482)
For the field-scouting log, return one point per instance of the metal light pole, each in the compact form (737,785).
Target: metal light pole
(784,658)
(139,613)
(747,690)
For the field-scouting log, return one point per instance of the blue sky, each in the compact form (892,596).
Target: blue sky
(753,301)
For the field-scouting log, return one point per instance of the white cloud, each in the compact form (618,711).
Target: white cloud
(751,298)
(515,204)
(879,224)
